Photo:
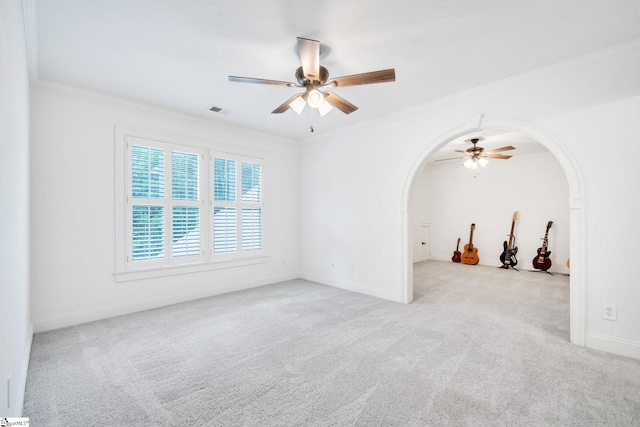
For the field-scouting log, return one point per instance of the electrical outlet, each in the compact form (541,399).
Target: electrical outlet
(609,311)
(353,268)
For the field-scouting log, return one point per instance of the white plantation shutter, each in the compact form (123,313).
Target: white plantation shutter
(185,190)
(165,206)
(224,211)
(237,218)
(177,212)
(224,230)
(224,180)
(186,231)
(251,216)
(251,182)
(184,176)
(148,232)
(251,229)
(147,172)
(147,189)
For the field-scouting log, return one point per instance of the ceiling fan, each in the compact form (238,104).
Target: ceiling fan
(477,155)
(312,77)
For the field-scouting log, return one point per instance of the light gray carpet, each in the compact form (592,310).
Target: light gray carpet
(479,346)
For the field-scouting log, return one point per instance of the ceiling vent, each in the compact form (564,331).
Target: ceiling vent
(220,110)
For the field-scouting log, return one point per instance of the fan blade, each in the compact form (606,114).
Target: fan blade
(450,158)
(340,103)
(501,149)
(285,105)
(261,81)
(381,76)
(497,156)
(310,57)
(461,151)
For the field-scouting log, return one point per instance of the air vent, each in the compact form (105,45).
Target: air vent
(220,110)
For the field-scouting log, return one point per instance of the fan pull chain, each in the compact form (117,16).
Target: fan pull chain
(311,120)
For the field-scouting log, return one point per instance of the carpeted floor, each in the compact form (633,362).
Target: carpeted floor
(479,346)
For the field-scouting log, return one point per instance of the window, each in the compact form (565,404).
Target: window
(165,204)
(187,205)
(237,209)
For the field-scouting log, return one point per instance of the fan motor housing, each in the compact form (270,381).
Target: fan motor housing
(324,76)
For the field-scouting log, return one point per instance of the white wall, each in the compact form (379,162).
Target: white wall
(72,197)
(587,110)
(451,197)
(607,145)
(15,327)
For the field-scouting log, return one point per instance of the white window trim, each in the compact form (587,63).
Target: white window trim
(207,261)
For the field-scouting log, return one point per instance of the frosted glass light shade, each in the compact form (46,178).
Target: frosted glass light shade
(298,104)
(471,164)
(315,98)
(324,109)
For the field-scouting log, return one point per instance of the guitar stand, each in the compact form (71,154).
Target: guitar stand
(506,267)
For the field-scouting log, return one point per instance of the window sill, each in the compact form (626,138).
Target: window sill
(125,276)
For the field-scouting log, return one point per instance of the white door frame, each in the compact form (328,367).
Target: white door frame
(577,282)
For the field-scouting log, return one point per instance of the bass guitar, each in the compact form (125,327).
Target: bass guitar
(542,261)
(456,253)
(508,256)
(470,255)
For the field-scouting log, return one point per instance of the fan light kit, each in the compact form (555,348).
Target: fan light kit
(312,77)
(477,155)
(472,163)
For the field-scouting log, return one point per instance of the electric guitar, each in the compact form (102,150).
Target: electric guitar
(542,261)
(508,256)
(470,255)
(456,253)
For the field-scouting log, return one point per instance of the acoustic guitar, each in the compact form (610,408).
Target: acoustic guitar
(456,253)
(508,255)
(470,255)
(542,261)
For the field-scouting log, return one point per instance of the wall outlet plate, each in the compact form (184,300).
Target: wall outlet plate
(609,311)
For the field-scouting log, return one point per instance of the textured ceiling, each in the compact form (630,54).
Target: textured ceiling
(178,54)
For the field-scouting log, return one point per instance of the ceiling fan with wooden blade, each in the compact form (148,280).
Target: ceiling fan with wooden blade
(478,155)
(311,76)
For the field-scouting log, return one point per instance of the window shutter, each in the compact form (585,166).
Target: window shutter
(224,230)
(147,220)
(186,231)
(251,229)
(224,180)
(185,184)
(251,183)
(148,232)
(147,172)
(175,207)
(184,176)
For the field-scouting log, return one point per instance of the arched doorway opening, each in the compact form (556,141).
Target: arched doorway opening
(576,208)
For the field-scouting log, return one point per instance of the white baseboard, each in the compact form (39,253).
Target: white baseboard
(612,345)
(353,287)
(79,317)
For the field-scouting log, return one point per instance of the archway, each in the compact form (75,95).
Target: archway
(577,283)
